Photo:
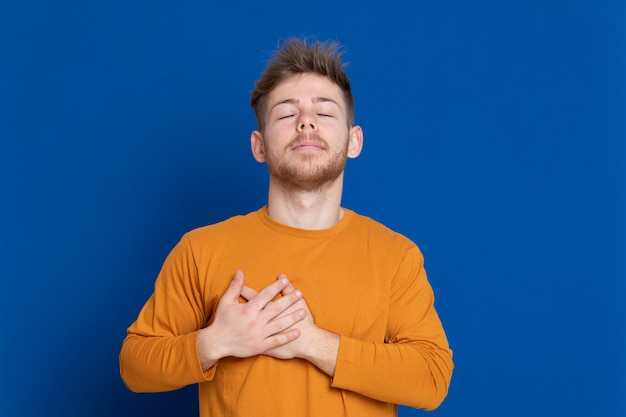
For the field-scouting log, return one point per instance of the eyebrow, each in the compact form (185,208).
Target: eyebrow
(314,100)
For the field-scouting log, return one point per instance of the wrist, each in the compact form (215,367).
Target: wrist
(322,352)
(208,350)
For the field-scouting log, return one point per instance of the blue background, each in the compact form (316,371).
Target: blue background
(495,138)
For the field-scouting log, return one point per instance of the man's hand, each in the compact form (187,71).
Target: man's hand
(316,345)
(248,329)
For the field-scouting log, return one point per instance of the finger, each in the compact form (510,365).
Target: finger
(282,305)
(283,323)
(282,338)
(263,297)
(289,288)
(248,292)
(234,289)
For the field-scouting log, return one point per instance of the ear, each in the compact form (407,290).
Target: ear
(258,146)
(355,144)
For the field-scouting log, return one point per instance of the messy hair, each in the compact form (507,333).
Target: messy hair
(294,57)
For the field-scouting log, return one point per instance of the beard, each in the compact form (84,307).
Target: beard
(305,172)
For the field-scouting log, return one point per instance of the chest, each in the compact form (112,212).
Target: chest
(346,286)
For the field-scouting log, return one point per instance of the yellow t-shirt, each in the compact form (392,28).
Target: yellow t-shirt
(360,280)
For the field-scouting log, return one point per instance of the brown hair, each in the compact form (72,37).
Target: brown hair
(295,56)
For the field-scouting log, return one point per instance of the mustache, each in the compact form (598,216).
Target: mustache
(304,137)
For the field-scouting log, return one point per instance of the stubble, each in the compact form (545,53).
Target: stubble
(306,171)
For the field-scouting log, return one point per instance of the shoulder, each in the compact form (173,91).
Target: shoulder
(231,227)
(365,224)
(381,236)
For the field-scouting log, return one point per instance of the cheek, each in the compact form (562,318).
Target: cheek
(272,140)
(278,129)
(336,126)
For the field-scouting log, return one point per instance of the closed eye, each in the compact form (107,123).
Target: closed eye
(285,117)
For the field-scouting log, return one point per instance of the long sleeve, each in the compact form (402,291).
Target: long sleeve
(414,364)
(360,279)
(159,352)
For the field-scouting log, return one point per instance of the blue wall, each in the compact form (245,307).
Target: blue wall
(495,138)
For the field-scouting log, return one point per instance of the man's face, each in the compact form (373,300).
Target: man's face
(306,139)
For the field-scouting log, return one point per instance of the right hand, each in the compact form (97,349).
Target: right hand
(249,329)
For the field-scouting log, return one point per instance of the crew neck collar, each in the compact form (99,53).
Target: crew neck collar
(305,233)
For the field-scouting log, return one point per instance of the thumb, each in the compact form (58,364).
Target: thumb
(233,292)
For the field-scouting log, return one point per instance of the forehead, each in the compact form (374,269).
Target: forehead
(306,87)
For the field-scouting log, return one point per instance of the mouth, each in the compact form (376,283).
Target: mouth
(305,144)
(308,145)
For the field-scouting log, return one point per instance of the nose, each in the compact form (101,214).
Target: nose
(306,121)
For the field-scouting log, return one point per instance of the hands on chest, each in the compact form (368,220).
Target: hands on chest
(283,329)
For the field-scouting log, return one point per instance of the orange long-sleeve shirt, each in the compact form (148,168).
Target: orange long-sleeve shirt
(360,280)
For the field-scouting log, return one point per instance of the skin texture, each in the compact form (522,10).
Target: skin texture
(305,144)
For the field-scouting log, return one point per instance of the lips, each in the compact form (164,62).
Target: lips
(308,144)
(303,143)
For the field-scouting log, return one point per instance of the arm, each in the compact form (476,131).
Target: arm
(159,352)
(414,364)
(168,346)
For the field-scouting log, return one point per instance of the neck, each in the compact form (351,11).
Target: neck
(306,209)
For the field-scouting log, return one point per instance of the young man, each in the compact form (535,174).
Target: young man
(302,308)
